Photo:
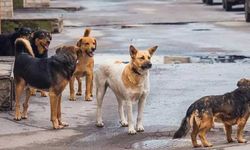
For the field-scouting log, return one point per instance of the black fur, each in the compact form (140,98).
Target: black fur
(42,73)
(230,106)
(7,41)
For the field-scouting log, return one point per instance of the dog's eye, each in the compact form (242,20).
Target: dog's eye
(142,58)
(149,57)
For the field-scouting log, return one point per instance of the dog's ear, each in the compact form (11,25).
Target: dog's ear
(58,50)
(79,43)
(152,50)
(132,51)
(243,82)
(87,32)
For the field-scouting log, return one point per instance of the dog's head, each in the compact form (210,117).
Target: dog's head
(23,32)
(141,60)
(243,83)
(87,43)
(42,39)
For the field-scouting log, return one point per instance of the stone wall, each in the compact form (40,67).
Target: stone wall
(6,9)
(36,3)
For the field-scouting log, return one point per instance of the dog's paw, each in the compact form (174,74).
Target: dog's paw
(24,116)
(18,118)
(132,131)
(99,124)
(140,128)
(79,93)
(72,99)
(242,141)
(58,127)
(43,94)
(208,145)
(63,124)
(197,145)
(88,98)
(124,123)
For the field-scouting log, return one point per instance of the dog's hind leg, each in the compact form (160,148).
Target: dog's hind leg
(194,133)
(241,122)
(20,84)
(71,89)
(131,128)
(100,92)
(205,125)
(228,131)
(26,104)
(123,122)
(79,91)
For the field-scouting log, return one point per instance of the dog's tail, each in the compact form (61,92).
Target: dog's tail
(183,129)
(87,32)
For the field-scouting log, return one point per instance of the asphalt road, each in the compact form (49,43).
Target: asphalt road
(179,28)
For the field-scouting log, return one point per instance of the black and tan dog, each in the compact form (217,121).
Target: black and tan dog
(84,67)
(40,42)
(231,109)
(52,74)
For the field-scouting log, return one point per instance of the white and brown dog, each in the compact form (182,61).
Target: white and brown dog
(129,82)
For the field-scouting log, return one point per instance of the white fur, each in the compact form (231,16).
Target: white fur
(110,75)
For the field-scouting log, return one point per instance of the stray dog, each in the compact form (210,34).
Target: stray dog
(84,67)
(52,74)
(7,41)
(130,84)
(40,42)
(230,109)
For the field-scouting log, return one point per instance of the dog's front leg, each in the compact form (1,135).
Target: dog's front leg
(71,88)
(241,124)
(131,128)
(54,110)
(88,93)
(79,91)
(141,103)
(59,114)
(123,122)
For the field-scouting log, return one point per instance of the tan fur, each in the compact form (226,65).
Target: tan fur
(27,45)
(84,67)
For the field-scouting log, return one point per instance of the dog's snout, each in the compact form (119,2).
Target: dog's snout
(48,42)
(93,48)
(147,65)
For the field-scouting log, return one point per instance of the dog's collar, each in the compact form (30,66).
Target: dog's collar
(135,71)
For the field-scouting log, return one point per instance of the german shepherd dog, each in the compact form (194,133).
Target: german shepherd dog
(40,42)
(130,84)
(231,109)
(51,74)
(7,41)
(84,67)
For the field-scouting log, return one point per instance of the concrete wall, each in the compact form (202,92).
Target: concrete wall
(6,9)
(36,3)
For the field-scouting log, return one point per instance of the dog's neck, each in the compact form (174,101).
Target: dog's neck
(132,78)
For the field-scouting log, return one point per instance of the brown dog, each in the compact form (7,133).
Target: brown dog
(231,109)
(51,74)
(84,67)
